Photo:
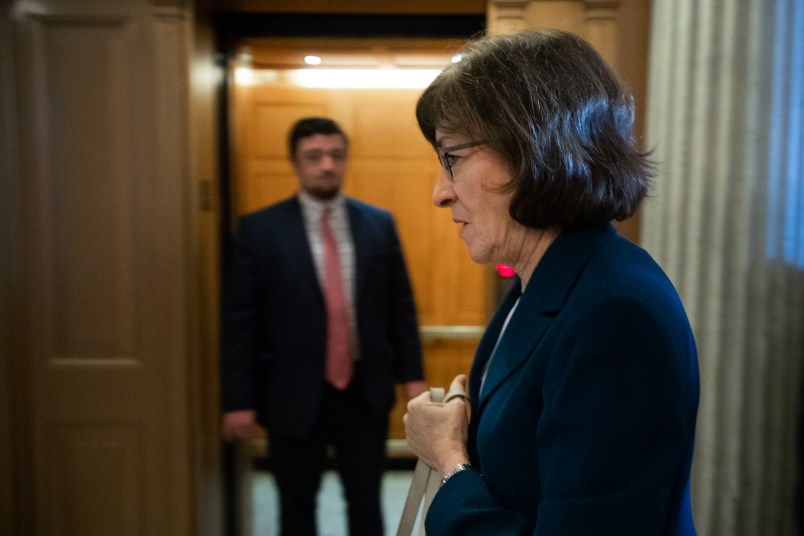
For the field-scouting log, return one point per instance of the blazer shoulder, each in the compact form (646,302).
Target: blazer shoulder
(628,265)
(365,209)
(279,210)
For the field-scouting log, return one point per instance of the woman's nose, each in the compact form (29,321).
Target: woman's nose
(443,194)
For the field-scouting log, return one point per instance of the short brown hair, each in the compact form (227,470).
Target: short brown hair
(310,126)
(549,104)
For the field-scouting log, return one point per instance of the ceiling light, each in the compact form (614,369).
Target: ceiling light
(312,60)
(244,76)
(364,78)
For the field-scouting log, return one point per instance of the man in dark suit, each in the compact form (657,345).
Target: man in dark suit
(319,324)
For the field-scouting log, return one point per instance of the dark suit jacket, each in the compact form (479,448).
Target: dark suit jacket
(274,321)
(586,421)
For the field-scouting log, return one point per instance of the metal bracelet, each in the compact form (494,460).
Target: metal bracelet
(458,468)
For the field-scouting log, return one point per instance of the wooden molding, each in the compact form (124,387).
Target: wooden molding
(601,22)
(602,4)
(353,6)
(167,3)
(507,16)
(601,9)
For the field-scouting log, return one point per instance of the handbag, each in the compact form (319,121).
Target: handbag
(425,481)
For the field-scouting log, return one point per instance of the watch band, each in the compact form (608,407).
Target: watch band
(458,468)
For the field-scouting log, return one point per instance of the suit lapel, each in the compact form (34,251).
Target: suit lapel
(487,342)
(296,237)
(361,242)
(547,291)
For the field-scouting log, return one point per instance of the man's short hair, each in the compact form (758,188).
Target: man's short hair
(310,126)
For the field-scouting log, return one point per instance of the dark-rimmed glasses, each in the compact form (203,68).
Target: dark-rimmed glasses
(444,154)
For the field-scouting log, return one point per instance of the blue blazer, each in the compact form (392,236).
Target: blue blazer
(586,421)
(274,320)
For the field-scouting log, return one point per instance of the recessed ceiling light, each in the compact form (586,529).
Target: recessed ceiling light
(364,78)
(312,60)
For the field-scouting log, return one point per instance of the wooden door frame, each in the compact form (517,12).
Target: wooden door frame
(13,431)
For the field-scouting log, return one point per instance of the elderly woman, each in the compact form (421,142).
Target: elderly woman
(584,388)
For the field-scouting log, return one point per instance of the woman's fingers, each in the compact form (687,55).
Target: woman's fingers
(457,389)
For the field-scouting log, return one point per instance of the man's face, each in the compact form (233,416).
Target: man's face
(320,164)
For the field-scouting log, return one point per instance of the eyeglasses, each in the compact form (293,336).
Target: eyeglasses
(446,157)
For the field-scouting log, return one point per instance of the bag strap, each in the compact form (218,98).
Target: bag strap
(425,484)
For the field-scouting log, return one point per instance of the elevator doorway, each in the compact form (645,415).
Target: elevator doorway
(390,165)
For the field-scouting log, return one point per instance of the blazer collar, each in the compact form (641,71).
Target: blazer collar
(547,291)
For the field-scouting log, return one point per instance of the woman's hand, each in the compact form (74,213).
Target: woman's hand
(437,433)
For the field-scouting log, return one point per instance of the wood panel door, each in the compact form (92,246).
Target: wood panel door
(390,165)
(103,288)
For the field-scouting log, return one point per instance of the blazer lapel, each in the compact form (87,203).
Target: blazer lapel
(547,291)
(296,237)
(524,331)
(489,339)
(361,241)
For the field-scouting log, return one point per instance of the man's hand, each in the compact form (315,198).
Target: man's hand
(414,389)
(239,425)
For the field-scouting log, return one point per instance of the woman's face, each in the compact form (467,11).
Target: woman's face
(471,192)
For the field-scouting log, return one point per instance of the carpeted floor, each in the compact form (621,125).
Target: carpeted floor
(331,506)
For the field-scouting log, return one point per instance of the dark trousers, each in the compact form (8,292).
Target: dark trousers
(358,436)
